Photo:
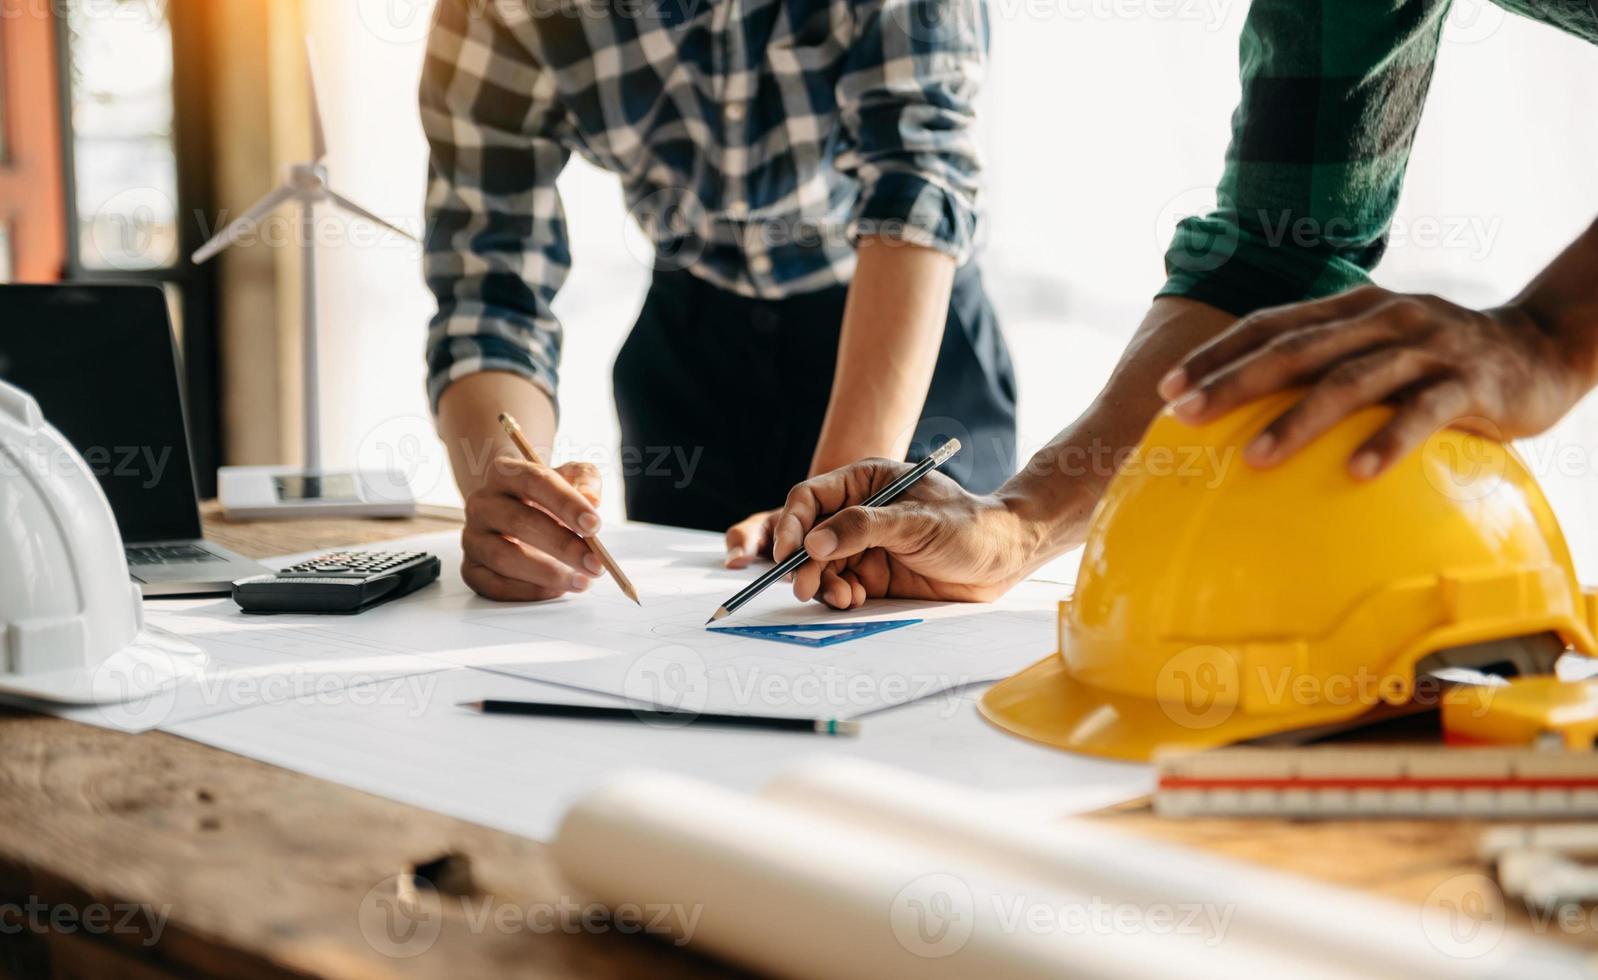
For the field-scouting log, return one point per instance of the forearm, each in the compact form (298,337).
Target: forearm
(1054,494)
(892,328)
(468,422)
(1563,300)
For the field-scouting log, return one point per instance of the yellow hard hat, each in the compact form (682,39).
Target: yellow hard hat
(1218,603)
(1534,711)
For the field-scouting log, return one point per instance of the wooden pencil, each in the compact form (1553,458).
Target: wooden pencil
(514,430)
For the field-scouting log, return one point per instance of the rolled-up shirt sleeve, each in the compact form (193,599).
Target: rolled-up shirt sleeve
(1332,93)
(496,248)
(906,104)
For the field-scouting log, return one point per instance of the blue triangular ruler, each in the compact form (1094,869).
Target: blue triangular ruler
(834,632)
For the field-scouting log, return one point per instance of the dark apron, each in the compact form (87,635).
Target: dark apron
(721,397)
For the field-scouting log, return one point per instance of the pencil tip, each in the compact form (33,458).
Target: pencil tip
(720,613)
(471,705)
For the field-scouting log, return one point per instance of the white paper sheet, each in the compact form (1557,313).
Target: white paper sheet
(519,774)
(659,653)
(257,660)
(253,661)
(662,653)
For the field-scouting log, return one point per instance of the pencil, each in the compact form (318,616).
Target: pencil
(886,495)
(514,430)
(542,709)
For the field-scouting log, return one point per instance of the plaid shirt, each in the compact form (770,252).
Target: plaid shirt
(756,141)
(1332,95)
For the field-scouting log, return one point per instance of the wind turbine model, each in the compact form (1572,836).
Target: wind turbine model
(254,492)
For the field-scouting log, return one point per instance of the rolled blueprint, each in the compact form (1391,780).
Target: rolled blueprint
(797,892)
(1262,908)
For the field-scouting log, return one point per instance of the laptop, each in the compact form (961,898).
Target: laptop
(102,364)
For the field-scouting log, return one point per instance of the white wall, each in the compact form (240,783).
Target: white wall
(375,307)
(1104,122)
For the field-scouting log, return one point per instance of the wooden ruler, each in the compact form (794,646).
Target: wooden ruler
(1377,782)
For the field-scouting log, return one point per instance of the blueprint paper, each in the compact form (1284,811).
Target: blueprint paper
(519,774)
(369,701)
(659,653)
(662,654)
(254,660)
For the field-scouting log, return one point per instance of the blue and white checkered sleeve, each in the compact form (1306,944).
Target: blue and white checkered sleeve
(906,100)
(496,248)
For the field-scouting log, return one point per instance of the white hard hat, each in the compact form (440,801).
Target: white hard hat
(71,622)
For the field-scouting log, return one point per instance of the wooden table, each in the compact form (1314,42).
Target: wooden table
(161,857)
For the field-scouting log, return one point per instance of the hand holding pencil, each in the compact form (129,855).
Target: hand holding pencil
(527,524)
(597,549)
(936,541)
(856,503)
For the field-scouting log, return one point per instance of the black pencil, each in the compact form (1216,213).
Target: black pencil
(542,709)
(886,495)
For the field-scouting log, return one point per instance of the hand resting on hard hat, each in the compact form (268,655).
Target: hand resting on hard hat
(936,542)
(1503,373)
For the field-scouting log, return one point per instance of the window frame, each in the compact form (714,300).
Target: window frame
(195,286)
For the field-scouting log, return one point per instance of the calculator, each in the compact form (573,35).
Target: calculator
(342,582)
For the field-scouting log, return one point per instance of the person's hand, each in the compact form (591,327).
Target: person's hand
(935,542)
(519,540)
(1493,372)
(750,538)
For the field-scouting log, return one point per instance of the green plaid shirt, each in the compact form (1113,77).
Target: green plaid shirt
(1332,94)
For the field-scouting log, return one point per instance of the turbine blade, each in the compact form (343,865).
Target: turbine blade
(318,134)
(246,221)
(359,211)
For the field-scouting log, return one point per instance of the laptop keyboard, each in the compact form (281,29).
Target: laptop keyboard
(168,554)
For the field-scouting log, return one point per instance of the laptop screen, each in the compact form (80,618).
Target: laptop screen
(101,363)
